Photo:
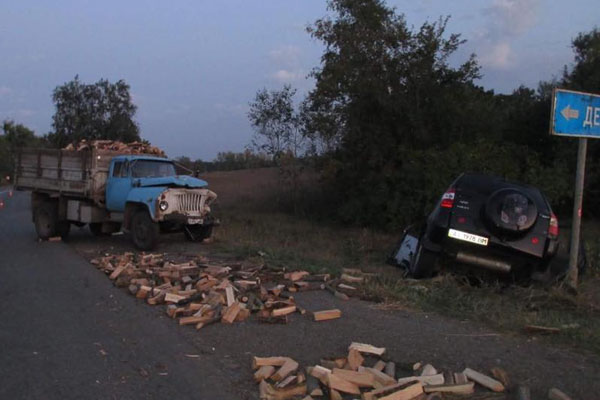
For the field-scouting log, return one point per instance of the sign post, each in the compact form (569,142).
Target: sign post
(576,114)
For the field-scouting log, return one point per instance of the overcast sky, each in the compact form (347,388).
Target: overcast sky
(193,66)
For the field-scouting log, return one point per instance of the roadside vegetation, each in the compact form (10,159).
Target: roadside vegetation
(252,225)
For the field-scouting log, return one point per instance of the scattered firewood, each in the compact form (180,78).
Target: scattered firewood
(352,279)
(268,392)
(287,368)
(283,311)
(327,315)
(340,384)
(361,379)
(367,348)
(463,388)
(428,369)
(231,313)
(501,375)
(425,379)
(264,372)
(484,380)
(379,365)
(390,369)
(355,359)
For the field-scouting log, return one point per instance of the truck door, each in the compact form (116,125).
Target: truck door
(118,185)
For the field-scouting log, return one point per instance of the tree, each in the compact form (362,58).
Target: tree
(276,122)
(381,89)
(102,110)
(585,74)
(15,136)
(279,133)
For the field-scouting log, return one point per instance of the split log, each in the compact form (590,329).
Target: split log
(230,296)
(361,379)
(367,348)
(425,379)
(462,388)
(381,377)
(287,368)
(395,392)
(352,279)
(379,365)
(355,359)
(428,369)
(283,311)
(194,320)
(264,372)
(268,392)
(268,361)
(484,380)
(336,382)
(231,313)
(501,375)
(296,275)
(390,369)
(327,315)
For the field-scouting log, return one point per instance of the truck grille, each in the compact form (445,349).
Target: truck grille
(190,202)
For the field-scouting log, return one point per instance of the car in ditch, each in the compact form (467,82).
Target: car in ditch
(484,222)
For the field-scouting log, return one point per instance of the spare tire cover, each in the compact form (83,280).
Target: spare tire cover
(511,210)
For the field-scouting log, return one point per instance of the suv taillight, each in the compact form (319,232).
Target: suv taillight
(448,198)
(553,228)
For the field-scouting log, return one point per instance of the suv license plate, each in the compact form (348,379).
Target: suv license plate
(468,237)
(194,221)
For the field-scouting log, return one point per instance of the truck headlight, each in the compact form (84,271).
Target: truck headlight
(163,205)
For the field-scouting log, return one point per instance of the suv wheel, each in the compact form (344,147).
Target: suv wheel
(423,264)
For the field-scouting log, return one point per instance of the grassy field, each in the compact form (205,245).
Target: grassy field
(252,222)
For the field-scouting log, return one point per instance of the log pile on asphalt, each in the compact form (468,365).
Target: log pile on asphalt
(199,292)
(366,372)
(116,146)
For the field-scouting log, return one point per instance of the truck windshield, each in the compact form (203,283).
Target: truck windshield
(149,168)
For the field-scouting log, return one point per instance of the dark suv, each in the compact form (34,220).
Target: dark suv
(490,223)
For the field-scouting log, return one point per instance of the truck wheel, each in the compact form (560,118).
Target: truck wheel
(195,233)
(96,229)
(44,217)
(144,231)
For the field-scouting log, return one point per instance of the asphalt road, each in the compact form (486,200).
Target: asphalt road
(67,333)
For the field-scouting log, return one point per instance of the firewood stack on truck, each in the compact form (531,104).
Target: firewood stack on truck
(112,186)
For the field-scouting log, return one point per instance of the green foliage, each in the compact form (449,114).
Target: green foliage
(14,137)
(102,110)
(276,123)
(585,74)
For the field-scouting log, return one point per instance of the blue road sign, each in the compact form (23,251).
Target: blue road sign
(575,114)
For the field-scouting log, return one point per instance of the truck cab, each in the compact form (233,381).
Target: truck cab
(150,197)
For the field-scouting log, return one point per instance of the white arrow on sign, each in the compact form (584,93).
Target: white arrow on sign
(569,113)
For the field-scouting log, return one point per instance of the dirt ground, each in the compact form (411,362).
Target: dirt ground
(409,336)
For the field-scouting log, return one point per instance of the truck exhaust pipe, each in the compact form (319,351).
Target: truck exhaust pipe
(487,263)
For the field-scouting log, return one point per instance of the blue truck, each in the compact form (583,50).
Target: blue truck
(110,191)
